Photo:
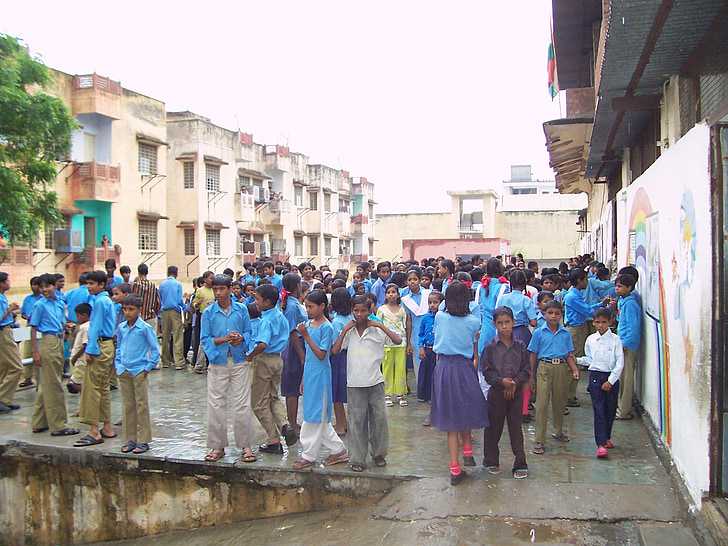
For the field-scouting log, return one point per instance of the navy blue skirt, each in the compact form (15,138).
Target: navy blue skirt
(522,334)
(458,403)
(292,374)
(338,377)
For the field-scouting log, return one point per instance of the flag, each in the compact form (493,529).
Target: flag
(551,68)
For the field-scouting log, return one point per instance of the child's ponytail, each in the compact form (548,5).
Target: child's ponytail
(291,287)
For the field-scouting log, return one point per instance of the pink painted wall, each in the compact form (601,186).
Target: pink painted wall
(417,249)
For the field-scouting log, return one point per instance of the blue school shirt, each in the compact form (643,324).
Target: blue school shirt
(317,400)
(540,319)
(294,312)
(426,334)
(379,289)
(576,310)
(254,328)
(547,344)
(522,306)
(28,303)
(170,295)
(49,316)
(102,323)
(137,348)
(455,335)
(339,322)
(248,278)
(249,300)
(217,323)
(372,316)
(116,280)
(486,305)
(629,327)
(7,321)
(273,331)
(74,298)
(597,290)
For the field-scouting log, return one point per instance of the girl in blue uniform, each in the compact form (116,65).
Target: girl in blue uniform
(340,317)
(458,404)
(293,355)
(316,431)
(415,303)
(446,271)
(492,285)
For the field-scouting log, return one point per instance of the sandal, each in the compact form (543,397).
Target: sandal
(215,455)
(128,447)
(337,458)
(302,464)
(538,449)
(520,474)
(108,436)
(39,430)
(65,432)
(88,440)
(357,467)
(560,437)
(403,402)
(248,456)
(140,448)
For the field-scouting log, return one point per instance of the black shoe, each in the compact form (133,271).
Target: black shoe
(4,408)
(455,480)
(73,387)
(26,383)
(468,461)
(13,406)
(289,433)
(573,403)
(380,461)
(275,449)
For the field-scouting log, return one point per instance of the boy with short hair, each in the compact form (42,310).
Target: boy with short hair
(83,313)
(26,310)
(270,341)
(552,348)
(172,305)
(543,298)
(125,272)
(379,288)
(11,367)
(629,330)
(364,341)
(605,360)
(505,365)
(136,355)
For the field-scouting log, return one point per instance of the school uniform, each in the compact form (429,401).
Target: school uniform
(229,376)
(379,289)
(458,404)
(416,307)
(426,338)
(49,319)
(605,359)
(524,311)
(172,306)
(26,347)
(95,396)
(551,349)
(497,362)
(486,296)
(394,365)
(11,367)
(295,314)
(629,330)
(577,314)
(81,339)
(316,430)
(267,368)
(338,361)
(368,427)
(598,289)
(137,353)
(204,297)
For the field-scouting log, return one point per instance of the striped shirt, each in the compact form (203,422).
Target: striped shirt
(149,294)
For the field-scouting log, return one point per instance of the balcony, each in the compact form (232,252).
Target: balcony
(275,212)
(94,94)
(244,207)
(359,219)
(277,158)
(93,181)
(343,224)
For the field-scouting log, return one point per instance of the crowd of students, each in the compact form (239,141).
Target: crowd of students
(490,343)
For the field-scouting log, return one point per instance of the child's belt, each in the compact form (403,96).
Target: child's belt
(553,360)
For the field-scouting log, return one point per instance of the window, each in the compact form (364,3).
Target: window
(371,248)
(313,200)
(147,235)
(244,182)
(343,205)
(313,245)
(327,246)
(189,175)
(147,158)
(212,176)
(213,242)
(371,211)
(298,246)
(298,198)
(524,191)
(48,237)
(189,242)
(327,202)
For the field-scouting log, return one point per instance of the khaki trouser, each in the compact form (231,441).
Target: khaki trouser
(26,351)
(229,385)
(367,423)
(172,327)
(267,405)
(551,384)
(79,370)
(578,336)
(135,396)
(50,402)
(626,384)
(10,366)
(95,396)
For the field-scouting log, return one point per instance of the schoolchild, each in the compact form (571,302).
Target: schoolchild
(340,317)
(426,337)
(394,365)
(416,305)
(629,330)
(26,310)
(293,357)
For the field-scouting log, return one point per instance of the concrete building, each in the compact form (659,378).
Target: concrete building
(530,217)
(111,189)
(645,139)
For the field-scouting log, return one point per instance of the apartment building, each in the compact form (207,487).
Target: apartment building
(363,220)
(111,189)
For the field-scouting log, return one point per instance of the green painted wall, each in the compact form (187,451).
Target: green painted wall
(101,211)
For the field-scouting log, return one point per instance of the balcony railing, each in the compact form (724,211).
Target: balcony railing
(94,94)
(93,181)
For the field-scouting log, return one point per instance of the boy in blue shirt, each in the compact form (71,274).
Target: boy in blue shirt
(137,353)
(11,367)
(629,330)
(427,355)
(272,339)
(552,349)
(379,288)
(26,310)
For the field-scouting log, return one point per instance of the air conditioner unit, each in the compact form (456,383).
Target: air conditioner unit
(264,249)
(248,247)
(67,241)
(266,195)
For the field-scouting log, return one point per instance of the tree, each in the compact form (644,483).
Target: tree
(35,132)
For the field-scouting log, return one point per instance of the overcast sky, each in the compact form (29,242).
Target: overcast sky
(418,96)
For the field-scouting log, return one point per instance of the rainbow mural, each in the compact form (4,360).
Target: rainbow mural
(643,227)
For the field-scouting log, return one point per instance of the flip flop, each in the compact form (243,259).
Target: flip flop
(337,458)
(39,430)
(214,456)
(302,464)
(65,432)
(248,457)
(108,436)
(128,447)
(88,440)
(140,448)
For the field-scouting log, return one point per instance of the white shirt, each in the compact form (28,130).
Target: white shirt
(604,354)
(364,357)
(81,338)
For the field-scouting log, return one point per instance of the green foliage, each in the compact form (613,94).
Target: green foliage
(35,131)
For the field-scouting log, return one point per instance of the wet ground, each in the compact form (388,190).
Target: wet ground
(570,497)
